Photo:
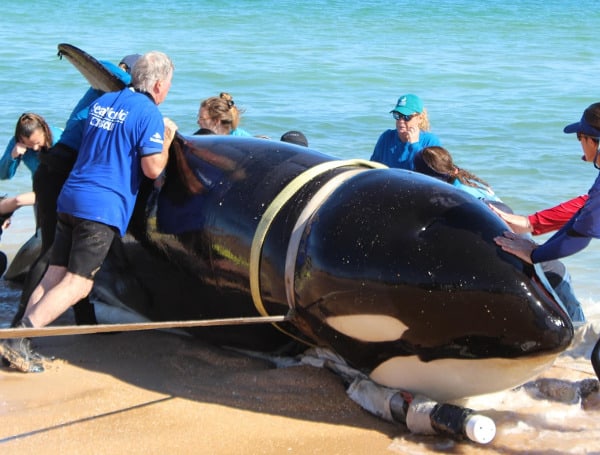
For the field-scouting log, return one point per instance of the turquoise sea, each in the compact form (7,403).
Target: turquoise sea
(499,80)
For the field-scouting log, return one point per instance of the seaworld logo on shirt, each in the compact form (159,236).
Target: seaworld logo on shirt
(106,117)
(156,137)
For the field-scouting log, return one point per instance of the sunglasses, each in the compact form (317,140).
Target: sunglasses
(406,118)
(580,135)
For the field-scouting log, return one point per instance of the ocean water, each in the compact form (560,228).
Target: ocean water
(499,81)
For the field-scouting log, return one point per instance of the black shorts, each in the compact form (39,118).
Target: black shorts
(81,245)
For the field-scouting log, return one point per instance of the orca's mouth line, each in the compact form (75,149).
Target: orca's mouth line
(275,206)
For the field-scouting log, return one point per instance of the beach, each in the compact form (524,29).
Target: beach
(158,392)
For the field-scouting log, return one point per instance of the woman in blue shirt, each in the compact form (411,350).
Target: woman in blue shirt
(32,135)
(397,148)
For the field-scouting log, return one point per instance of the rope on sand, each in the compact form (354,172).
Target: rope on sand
(105,328)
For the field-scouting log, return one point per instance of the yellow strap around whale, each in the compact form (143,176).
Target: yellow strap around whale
(271,212)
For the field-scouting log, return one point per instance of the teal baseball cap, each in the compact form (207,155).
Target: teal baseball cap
(408,104)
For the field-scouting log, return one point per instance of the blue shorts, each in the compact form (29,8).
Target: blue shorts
(81,245)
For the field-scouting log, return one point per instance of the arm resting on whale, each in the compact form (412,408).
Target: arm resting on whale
(576,234)
(564,243)
(555,217)
(543,221)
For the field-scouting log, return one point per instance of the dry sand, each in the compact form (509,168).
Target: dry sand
(156,392)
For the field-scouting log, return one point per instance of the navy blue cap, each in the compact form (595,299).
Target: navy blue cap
(583,126)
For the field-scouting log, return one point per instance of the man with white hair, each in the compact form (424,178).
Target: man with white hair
(125,138)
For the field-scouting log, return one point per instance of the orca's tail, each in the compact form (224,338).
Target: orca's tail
(596,358)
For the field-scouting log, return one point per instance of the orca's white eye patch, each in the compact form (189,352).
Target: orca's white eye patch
(368,327)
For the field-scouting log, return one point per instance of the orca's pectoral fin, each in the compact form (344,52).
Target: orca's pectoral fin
(96,74)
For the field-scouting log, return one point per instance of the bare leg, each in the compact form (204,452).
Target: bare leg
(58,291)
(50,279)
(47,184)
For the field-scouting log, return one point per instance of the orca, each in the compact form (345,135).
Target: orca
(394,271)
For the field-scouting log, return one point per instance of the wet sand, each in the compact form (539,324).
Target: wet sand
(157,392)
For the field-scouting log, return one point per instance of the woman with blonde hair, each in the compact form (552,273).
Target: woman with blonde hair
(220,115)
(398,147)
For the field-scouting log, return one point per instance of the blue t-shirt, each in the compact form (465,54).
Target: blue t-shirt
(480,191)
(577,233)
(77,119)
(240,132)
(121,128)
(392,152)
(9,165)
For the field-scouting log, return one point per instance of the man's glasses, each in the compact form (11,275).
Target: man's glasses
(406,118)
(580,135)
